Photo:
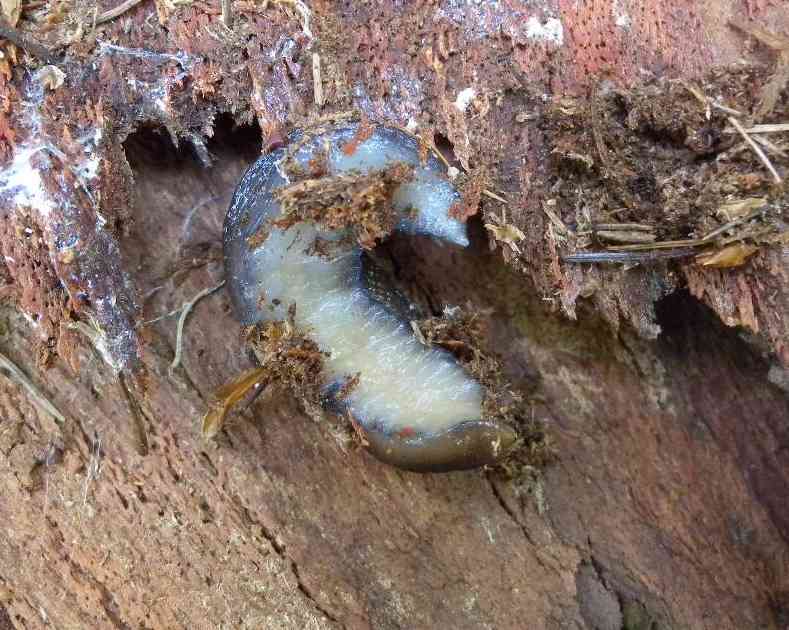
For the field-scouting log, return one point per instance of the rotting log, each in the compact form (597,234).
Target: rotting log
(668,502)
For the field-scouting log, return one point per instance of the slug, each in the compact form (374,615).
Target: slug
(416,406)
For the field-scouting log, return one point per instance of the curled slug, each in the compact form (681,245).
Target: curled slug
(416,406)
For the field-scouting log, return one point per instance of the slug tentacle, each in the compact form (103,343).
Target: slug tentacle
(289,240)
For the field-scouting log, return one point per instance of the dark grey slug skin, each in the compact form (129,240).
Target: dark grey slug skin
(470,443)
(467,445)
(252,204)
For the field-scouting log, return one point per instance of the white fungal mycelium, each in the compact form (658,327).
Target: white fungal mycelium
(404,387)
(33,184)
(552,30)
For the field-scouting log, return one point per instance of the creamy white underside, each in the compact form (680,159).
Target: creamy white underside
(403,384)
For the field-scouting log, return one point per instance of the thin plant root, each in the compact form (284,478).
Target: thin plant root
(36,397)
(187,308)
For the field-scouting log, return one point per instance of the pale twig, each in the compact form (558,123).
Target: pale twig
(227,13)
(767,128)
(94,466)
(111,14)
(687,242)
(555,219)
(187,308)
(724,109)
(634,227)
(692,242)
(625,236)
(492,195)
(756,149)
(733,223)
(773,148)
(186,228)
(36,397)
(644,252)
(707,101)
(317,85)
(159,318)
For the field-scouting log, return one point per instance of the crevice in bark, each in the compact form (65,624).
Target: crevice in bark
(137,414)
(446,149)
(5,619)
(108,603)
(281,550)
(308,594)
(505,506)
(110,606)
(152,145)
(527,535)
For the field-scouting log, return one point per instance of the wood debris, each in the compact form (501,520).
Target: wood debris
(732,255)
(36,396)
(504,232)
(756,149)
(186,309)
(111,14)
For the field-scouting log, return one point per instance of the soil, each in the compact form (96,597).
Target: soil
(660,384)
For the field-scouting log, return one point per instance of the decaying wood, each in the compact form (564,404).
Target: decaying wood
(667,506)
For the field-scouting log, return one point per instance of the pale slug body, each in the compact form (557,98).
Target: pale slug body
(418,408)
